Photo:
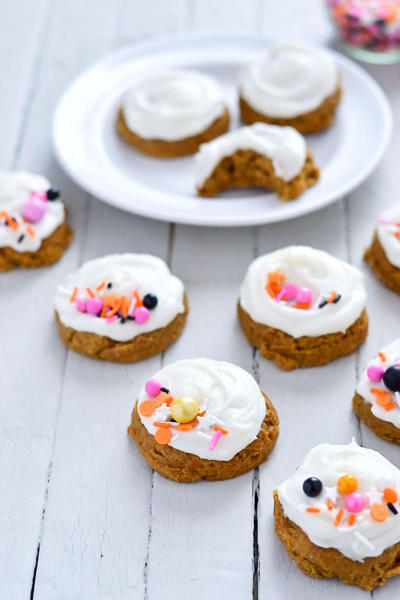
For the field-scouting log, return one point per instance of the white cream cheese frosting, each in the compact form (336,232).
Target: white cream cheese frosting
(387,357)
(16,189)
(366,536)
(284,146)
(388,227)
(128,277)
(289,80)
(173,105)
(227,396)
(337,291)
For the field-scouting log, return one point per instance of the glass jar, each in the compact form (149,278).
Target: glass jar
(368,30)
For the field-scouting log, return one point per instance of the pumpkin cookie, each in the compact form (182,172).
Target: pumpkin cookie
(291,84)
(262,155)
(338,515)
(33,228)
(377,397)
(172,112)
(122,308)
(203,419)
(384,253)
(302,307)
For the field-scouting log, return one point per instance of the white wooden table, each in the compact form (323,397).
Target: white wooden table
(82,517)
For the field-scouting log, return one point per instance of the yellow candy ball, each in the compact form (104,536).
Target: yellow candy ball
(184,409)
(347,484)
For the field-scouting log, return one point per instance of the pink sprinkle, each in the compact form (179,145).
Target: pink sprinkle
(112,319)
(304,295)
(152,388)
(290,290)
(280,296)
(94,306)
(355,502)
(141,314)
(375,373)
(215,439)
(80,305)
(40,195)
(385,221)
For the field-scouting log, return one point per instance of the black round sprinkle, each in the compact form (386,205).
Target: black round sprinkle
(53,193)
(312,487)
(392,508)
(391,378)
(163,389)
(109,285)
(150,301)
(123,319)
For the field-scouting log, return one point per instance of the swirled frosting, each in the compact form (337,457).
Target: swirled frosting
(288,80)
(366,536)
(15,190)
(173,105)
(111,279)
(229,396)
(284,146)
(387,357)
(337,290)
(388,232)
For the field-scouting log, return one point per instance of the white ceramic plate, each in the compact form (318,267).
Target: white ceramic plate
(93,154)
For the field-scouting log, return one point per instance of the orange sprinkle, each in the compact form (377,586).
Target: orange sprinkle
(377,391)
(390,495)
(74,294)
(100,286)
(114,310)
(271,291)
(332,297)
(390,406)
(147,408)
(138,300)
(30,231)
(164,425)
(218,428)
(163,436)
(382,356)
(184,427)
(302,306)
(378,512)
(397,234)
(124,306)
(313,509)
(163,397)
(110,299)
(89,291)
(104,311)
(202,413)
(276,277)
(384,399)
(352,519)
(12,223)
(338,517)
(329,504)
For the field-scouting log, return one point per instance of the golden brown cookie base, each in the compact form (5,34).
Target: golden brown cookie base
(324,563)
(311,122)
(163,149)
(49,252)
(184,467)
(141,347)
(289,352)
(383,429)
(247,168)
(387,273)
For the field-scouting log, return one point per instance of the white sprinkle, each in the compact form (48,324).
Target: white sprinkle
(203,434)
(175,436)
(397,396)
(364,540)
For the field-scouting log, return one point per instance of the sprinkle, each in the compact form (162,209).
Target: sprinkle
(204,434)
(100,286)
(185,427)
(109,285)
(352,519)
(214,440)
(112,319)
(338,517)
(332,297)
(21,238)
(378,512)
(132,307)
(390,406)
(392,508)
(313,509)
(385,221)
(89,291)
(104,311)
(382,356)
(74,294)
(165,390)
(223,431)
(163,436)
(323,303)
(30,231)
(329,504)
(165,425)
(124,306)
(114,311)
(147,408)
(202,413)
(138,300)
(364,540)
(303,306)
(336,299)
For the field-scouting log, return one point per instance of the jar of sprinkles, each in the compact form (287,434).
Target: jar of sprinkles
(367,30)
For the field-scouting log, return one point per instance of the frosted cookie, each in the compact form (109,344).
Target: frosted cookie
(170,113)
(377,397)
(384,253)
(203,419)
(291,84)
(122,307)
(338,515)
(267,156)
(33,228)
(302,307)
